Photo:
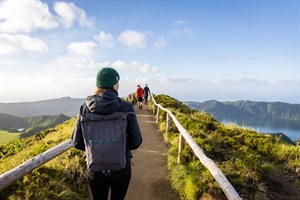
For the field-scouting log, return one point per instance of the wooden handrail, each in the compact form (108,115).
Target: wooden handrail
(225,185)
(14,174)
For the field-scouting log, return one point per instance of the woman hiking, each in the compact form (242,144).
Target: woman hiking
(105,102)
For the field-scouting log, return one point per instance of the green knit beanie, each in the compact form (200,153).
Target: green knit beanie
(107,77)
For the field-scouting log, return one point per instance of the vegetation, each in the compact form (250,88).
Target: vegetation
(61,178)
(7,136)
(244,156)
(19,127)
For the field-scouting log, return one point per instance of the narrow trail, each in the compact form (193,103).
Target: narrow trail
(150,179)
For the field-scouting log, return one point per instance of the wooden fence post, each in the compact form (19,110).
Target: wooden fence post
(154,109)
(167,123)
(157,114)
(180,147)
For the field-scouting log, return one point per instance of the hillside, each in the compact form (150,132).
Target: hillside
(259,167)
(248,109)
(26,126)
(12,122)
(60,178)
(43,122)
(66,105)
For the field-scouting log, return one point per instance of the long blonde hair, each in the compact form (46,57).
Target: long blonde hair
(99,90)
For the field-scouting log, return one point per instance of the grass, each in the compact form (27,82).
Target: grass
(61,178)
(6,136)
(243,155)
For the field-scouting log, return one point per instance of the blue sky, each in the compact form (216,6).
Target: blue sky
(190,50)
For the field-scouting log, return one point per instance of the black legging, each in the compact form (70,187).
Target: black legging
(118,182)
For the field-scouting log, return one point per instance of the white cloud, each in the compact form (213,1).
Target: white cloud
(69,13)
(180,28)
(134,66)
(74,87)
(80,63)
(179,23)
(18,43)
(82,48)
(25,16)
(160,43)
(105,39)
(133,39)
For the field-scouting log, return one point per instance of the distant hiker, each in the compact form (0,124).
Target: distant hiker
(101,118)
(139,95)
(146,93)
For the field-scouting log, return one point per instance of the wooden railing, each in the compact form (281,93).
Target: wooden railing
(14,174)
(226,186)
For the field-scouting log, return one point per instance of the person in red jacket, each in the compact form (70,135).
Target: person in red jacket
(139,95)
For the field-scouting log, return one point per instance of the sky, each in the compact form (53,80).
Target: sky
(226,50)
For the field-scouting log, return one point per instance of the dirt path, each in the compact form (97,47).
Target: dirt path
(281,187)
(149,173)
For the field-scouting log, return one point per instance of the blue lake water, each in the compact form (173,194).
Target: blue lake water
(288,127)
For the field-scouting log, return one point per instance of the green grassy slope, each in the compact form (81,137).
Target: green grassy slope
(39,123)
(7,136)
(60,178)
(31,125)
(244,156)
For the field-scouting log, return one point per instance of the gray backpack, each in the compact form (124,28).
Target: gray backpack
(105,141)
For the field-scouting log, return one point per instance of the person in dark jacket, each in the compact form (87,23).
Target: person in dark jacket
(146,93)
(105,101)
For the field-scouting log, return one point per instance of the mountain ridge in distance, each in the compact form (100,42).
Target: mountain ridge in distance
(28,126)
(65,105)
(246,108)
(249,111)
